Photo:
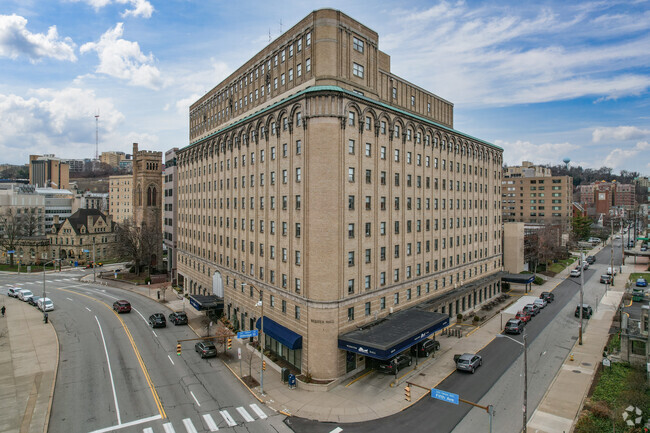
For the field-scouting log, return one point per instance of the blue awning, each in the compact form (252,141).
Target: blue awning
(278,332)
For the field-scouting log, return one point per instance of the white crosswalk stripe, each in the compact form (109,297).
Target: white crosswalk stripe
(337,430)
(189,426)
(260,413)
(210,422)
(246,415)
(147,430)
(169,428)
(226,416)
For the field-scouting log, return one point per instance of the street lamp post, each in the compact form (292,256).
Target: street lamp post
(260,304)
(582,282)
(525,346)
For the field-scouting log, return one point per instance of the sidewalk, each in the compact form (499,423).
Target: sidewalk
(29,356)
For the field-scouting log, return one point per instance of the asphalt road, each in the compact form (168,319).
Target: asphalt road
(117,374)
(550,336)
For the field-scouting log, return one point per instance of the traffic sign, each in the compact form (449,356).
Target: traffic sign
(11,252)
(449,397)
(248,334)
(239,353)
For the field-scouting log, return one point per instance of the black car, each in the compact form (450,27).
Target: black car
(157,320)
(547,296)
(514,326)
(33,301)
(393,365)
(590,259)
(178,318)
(424,348)
(206,349)
(606,279)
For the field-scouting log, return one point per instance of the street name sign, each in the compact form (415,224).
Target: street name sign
(444,396)
(248,334)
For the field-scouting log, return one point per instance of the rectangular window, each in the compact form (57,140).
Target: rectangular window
(351,142)
(357,70)
(350,314)
(357,44)
(308,65)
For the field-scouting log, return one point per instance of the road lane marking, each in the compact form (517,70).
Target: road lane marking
(169,428)
(194,397)
(88,309)
(127,424)
(147,430)
(110,372)
(210,422)
(258,411)
(154,333)
(246,415)
(69,299)
(226,416)
(337,430)
(189,426)
(152,388)
(170,359)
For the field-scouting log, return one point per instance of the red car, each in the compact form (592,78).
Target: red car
(122,306)
(523,316)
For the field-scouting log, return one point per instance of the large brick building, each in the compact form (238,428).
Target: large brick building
(338,193)
(600,197)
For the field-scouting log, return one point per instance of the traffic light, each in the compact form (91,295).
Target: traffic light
(407,393)
(178,349)
(229,343)
(264,365)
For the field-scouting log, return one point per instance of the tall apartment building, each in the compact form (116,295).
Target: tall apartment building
(601,197)
(120,197)
(337,193)
(170,209)
(112,158)
(47,171)
(531,194)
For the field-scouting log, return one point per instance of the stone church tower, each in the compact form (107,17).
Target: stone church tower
(147,192)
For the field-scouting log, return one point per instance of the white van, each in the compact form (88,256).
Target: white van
(25,294)
(45,304)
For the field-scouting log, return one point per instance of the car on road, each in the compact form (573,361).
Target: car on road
(541,303)
(25,294)
(587,312)
(45,304)
(641,282)
(514,326)
(585,265)
(206,349)
(547,296)
(532,309)
(122,306)
(594,240)
(157,320)
(178,318)
(424,348)
(644,248)
(575,273)
(395,364)
(590,259)
(523,316)
(606,279)
(13,292)
(33,301)
(611,271)
(617,237)
(468,362)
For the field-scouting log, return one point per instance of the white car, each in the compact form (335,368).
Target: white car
(45,304)
(610,269)
(575,273)
(541,303)
(25,294)
(13,292)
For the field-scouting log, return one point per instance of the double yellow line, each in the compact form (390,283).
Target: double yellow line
(154,393)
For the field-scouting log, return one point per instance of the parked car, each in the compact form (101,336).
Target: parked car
(606,279)
(25,294)
(641,282)
(595,241)
(395,364)
(424,348)
(586,311)
(523,316)
(122,306)
(468,362)
(611,271)
(13,292)
(178,318)
(585,265)
(157,320)
(590,259)
(532,309)
(575,273)
(547,296)
(33,301)
(514,326)
(540,303)
(45,304)
(644,248)
(206,349)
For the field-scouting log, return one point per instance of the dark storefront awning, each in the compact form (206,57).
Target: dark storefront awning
(206,302)
(518,278)
(393,334)
(278,332)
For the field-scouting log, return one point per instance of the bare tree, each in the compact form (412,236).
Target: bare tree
(128,244)
(11,232)
(30,224)
(150,240)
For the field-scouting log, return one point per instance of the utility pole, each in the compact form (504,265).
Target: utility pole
(611,255)
(97,135)
(526,371)
(582,282)
(94,264)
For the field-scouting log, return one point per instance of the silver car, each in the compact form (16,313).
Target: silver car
(468,362)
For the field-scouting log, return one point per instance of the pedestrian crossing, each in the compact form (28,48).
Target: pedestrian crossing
(224,419)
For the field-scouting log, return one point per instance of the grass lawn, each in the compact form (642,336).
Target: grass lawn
(23,268)
(561,264)
(636,275)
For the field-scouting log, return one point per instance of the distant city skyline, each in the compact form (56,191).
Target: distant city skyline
(543,81)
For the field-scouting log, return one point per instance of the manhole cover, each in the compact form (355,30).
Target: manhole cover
(576,371)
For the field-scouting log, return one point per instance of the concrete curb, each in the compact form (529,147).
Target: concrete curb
(56,372)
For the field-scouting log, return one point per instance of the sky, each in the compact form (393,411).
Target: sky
(544,80)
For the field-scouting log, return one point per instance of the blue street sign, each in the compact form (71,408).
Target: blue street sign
(449,397)
(11,251)
(85,251)
(248,334)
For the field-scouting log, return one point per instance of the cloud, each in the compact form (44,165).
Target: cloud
(546,153)
(196,82)
(16,40)
(50,120)
(123,59)
(140,8)
(621,158)
(619,133)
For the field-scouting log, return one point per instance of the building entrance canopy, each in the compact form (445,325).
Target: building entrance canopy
(206,302)
(280,333)
(518,278)
(388,337)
